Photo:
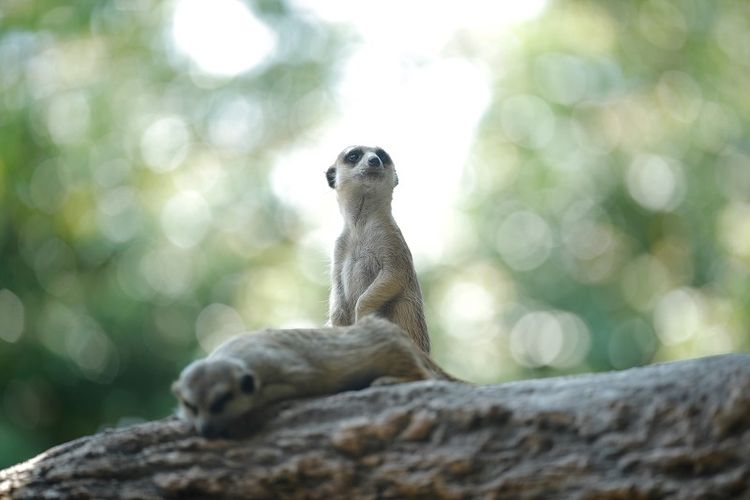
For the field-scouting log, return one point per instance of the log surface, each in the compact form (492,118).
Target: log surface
(678,430)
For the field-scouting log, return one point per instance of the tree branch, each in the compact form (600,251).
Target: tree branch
(677,430)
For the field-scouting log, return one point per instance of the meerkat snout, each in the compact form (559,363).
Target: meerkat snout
(374,161)
(214,391)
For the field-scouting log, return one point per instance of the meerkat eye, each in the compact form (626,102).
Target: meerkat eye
(384,157)
(353,156)
(191,407)
(218,405)
(247,384)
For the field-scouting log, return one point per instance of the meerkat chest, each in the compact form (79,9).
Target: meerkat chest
(360,267)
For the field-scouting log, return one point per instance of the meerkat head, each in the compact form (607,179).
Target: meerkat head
(359,168)
(213,392)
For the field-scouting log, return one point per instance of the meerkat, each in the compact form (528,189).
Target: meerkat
(251,370)
(373,271)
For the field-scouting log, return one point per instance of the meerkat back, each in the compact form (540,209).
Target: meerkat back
(373,271)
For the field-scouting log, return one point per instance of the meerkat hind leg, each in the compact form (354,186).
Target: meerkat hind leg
(386,352)
(403,366)
(389,380)
(402,313)
(396,366)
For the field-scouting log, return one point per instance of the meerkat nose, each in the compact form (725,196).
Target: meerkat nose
(374,161)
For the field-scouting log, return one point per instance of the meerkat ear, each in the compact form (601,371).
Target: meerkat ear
(247,383)
(395,179)
(331,176)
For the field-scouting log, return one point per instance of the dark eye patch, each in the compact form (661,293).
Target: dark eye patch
(191,407)
(353,156)
(384,157)
(218,405)
(247,383)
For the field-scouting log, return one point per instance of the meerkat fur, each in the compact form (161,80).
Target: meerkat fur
(373,271)
(251,370)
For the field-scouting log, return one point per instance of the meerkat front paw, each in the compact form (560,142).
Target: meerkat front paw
(359,316)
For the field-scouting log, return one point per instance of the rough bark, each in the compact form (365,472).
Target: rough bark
(678,430)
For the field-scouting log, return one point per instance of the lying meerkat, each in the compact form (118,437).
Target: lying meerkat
(252,370)
(373,271)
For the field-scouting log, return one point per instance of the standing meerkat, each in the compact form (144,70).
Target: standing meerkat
(252,370)
(373,271)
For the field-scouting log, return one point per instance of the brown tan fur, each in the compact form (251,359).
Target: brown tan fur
(373,271)
(254,369)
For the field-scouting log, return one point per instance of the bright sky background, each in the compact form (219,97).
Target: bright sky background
(398,89)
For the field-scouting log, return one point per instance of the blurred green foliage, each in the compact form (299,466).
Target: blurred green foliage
(610,179)
(605,207)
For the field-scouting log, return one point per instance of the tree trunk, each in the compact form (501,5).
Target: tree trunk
(677,430)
